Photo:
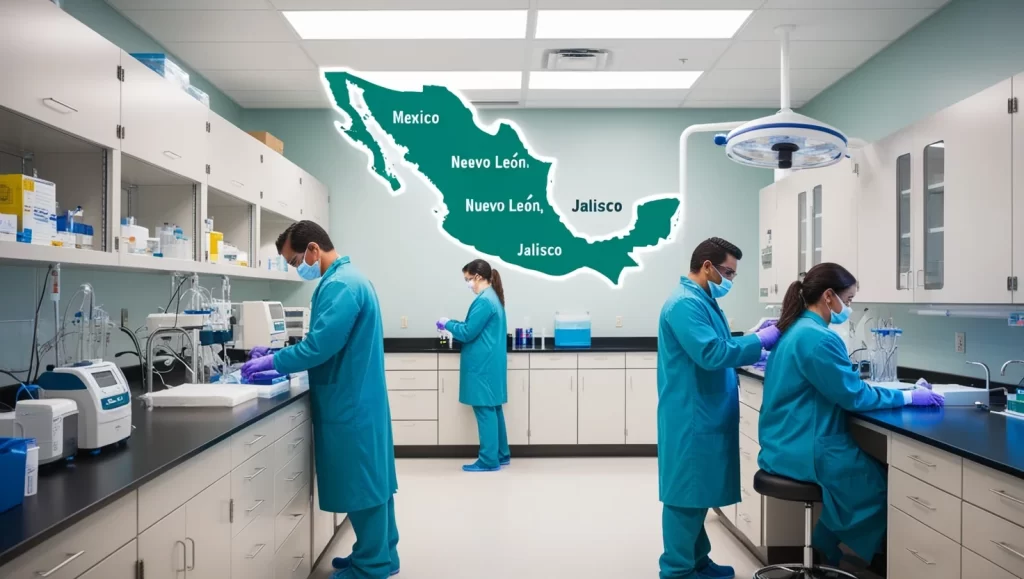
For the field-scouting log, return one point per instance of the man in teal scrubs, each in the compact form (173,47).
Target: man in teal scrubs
(698,409)
(344,354)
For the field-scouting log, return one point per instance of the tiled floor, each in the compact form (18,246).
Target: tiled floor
(540,518)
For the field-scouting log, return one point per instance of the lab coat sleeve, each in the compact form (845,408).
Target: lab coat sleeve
(479,312)
(829,369)
(337,311)
(693,328)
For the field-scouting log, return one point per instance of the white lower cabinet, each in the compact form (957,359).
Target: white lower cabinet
(456,423)
(323,524)
(208,532)
(517,411)
(294,560)
(121,565)
(252,551)
(974,566)
(917,551)
(162,547)
(602,407)
(552,406)
(642,406)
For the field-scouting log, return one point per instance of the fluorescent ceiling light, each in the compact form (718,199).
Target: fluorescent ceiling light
(613,80)
(407,24)
(640,23)
(455,79)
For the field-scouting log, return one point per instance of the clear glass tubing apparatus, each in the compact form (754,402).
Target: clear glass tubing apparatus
(884,360)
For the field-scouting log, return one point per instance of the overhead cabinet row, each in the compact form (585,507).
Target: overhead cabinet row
(925,215)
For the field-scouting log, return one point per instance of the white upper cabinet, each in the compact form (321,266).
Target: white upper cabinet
(236,160)
(834,227)
(314,197)
(884,224)
(766,248)
(163,125)
(962,201)
(58,71)
(785,235)
(282,193)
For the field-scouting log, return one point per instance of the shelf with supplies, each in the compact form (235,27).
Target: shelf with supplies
(121,152)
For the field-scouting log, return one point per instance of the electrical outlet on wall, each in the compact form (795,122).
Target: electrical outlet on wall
(960,343)
(618,321)
(405,322)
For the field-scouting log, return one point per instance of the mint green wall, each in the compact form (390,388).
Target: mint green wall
(609,154)
(99,16)
(967,46)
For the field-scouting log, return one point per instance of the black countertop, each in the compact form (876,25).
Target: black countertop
(163,438)
(989,439)
(427,345)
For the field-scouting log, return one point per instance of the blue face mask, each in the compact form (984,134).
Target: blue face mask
(308,272)
(842,316)
(718,290)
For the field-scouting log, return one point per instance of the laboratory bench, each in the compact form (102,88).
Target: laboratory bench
(629,344)
(955,488)
(186,491)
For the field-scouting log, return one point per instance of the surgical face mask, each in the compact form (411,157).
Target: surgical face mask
(718,290)
(842,316)
(471,285)
(306,271)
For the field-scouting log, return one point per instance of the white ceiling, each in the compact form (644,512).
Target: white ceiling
(248,49)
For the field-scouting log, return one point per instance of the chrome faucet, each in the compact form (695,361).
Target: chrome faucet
(1002,371)
(988,374)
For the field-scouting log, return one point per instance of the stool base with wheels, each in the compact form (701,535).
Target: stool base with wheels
(787,489)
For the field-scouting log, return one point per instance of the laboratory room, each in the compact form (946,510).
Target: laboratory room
(503,289)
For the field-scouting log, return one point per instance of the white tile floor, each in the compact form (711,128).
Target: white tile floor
(552,518)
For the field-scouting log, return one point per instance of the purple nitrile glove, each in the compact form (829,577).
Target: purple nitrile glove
(265,375)
(766,324)
(441,323)
(922,383)
(769,336)
(257,365)
(923,397)
(258,352)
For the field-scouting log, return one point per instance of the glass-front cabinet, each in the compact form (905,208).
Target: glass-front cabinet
(903,264)
(934,230)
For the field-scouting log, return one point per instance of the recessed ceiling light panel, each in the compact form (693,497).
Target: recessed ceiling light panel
(613,80)
(701,24)
(455,79)
(407,24)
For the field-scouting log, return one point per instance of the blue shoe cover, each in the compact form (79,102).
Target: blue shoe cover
(716,571)
(477,467)
(505,461)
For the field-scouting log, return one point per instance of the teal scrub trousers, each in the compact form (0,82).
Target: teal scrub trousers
(490,425)
(686,542)
(375,554)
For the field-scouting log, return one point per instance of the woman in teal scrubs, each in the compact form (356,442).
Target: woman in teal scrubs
(809,387)
(483,364)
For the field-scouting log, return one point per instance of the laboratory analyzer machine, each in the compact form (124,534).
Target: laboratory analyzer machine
(101,393)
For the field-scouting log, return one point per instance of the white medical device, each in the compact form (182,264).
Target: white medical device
(259,324)
(54,425)
(297,321)
(101,393)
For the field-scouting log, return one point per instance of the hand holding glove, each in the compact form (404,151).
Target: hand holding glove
(257,365)
(922,383)
(441,323)
(258,352)
(769,336)
(924,397)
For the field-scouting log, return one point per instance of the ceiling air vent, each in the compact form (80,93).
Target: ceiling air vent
(575,59)
(495,104)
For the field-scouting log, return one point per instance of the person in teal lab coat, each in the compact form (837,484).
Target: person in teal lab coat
(344,354)
(698,409)
(483,364)
(809,387)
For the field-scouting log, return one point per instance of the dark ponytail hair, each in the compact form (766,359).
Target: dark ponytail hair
(822,277)
(483,269)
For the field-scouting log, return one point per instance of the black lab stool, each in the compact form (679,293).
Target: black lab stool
(787,489)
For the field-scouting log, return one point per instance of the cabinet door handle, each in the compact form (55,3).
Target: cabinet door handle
(258,472)
(299,563)
(237,183)
(1003,494)
(256,553)
(1008,549)
(184,555)
(922,503)
(297,442)
(294,476)
(918,459)
(258,504)
(297,415)
(745,453)
(630,383)
(70,109)
(919,557)
(583,384)
(258,438)
(193,567)
(570,383)
(172,155)
(442,385)
(920,278)
(71,557)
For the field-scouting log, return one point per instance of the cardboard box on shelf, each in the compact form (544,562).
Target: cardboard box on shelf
(268,140)
(34,202)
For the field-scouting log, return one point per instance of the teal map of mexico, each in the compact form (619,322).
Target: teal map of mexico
(496,193)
